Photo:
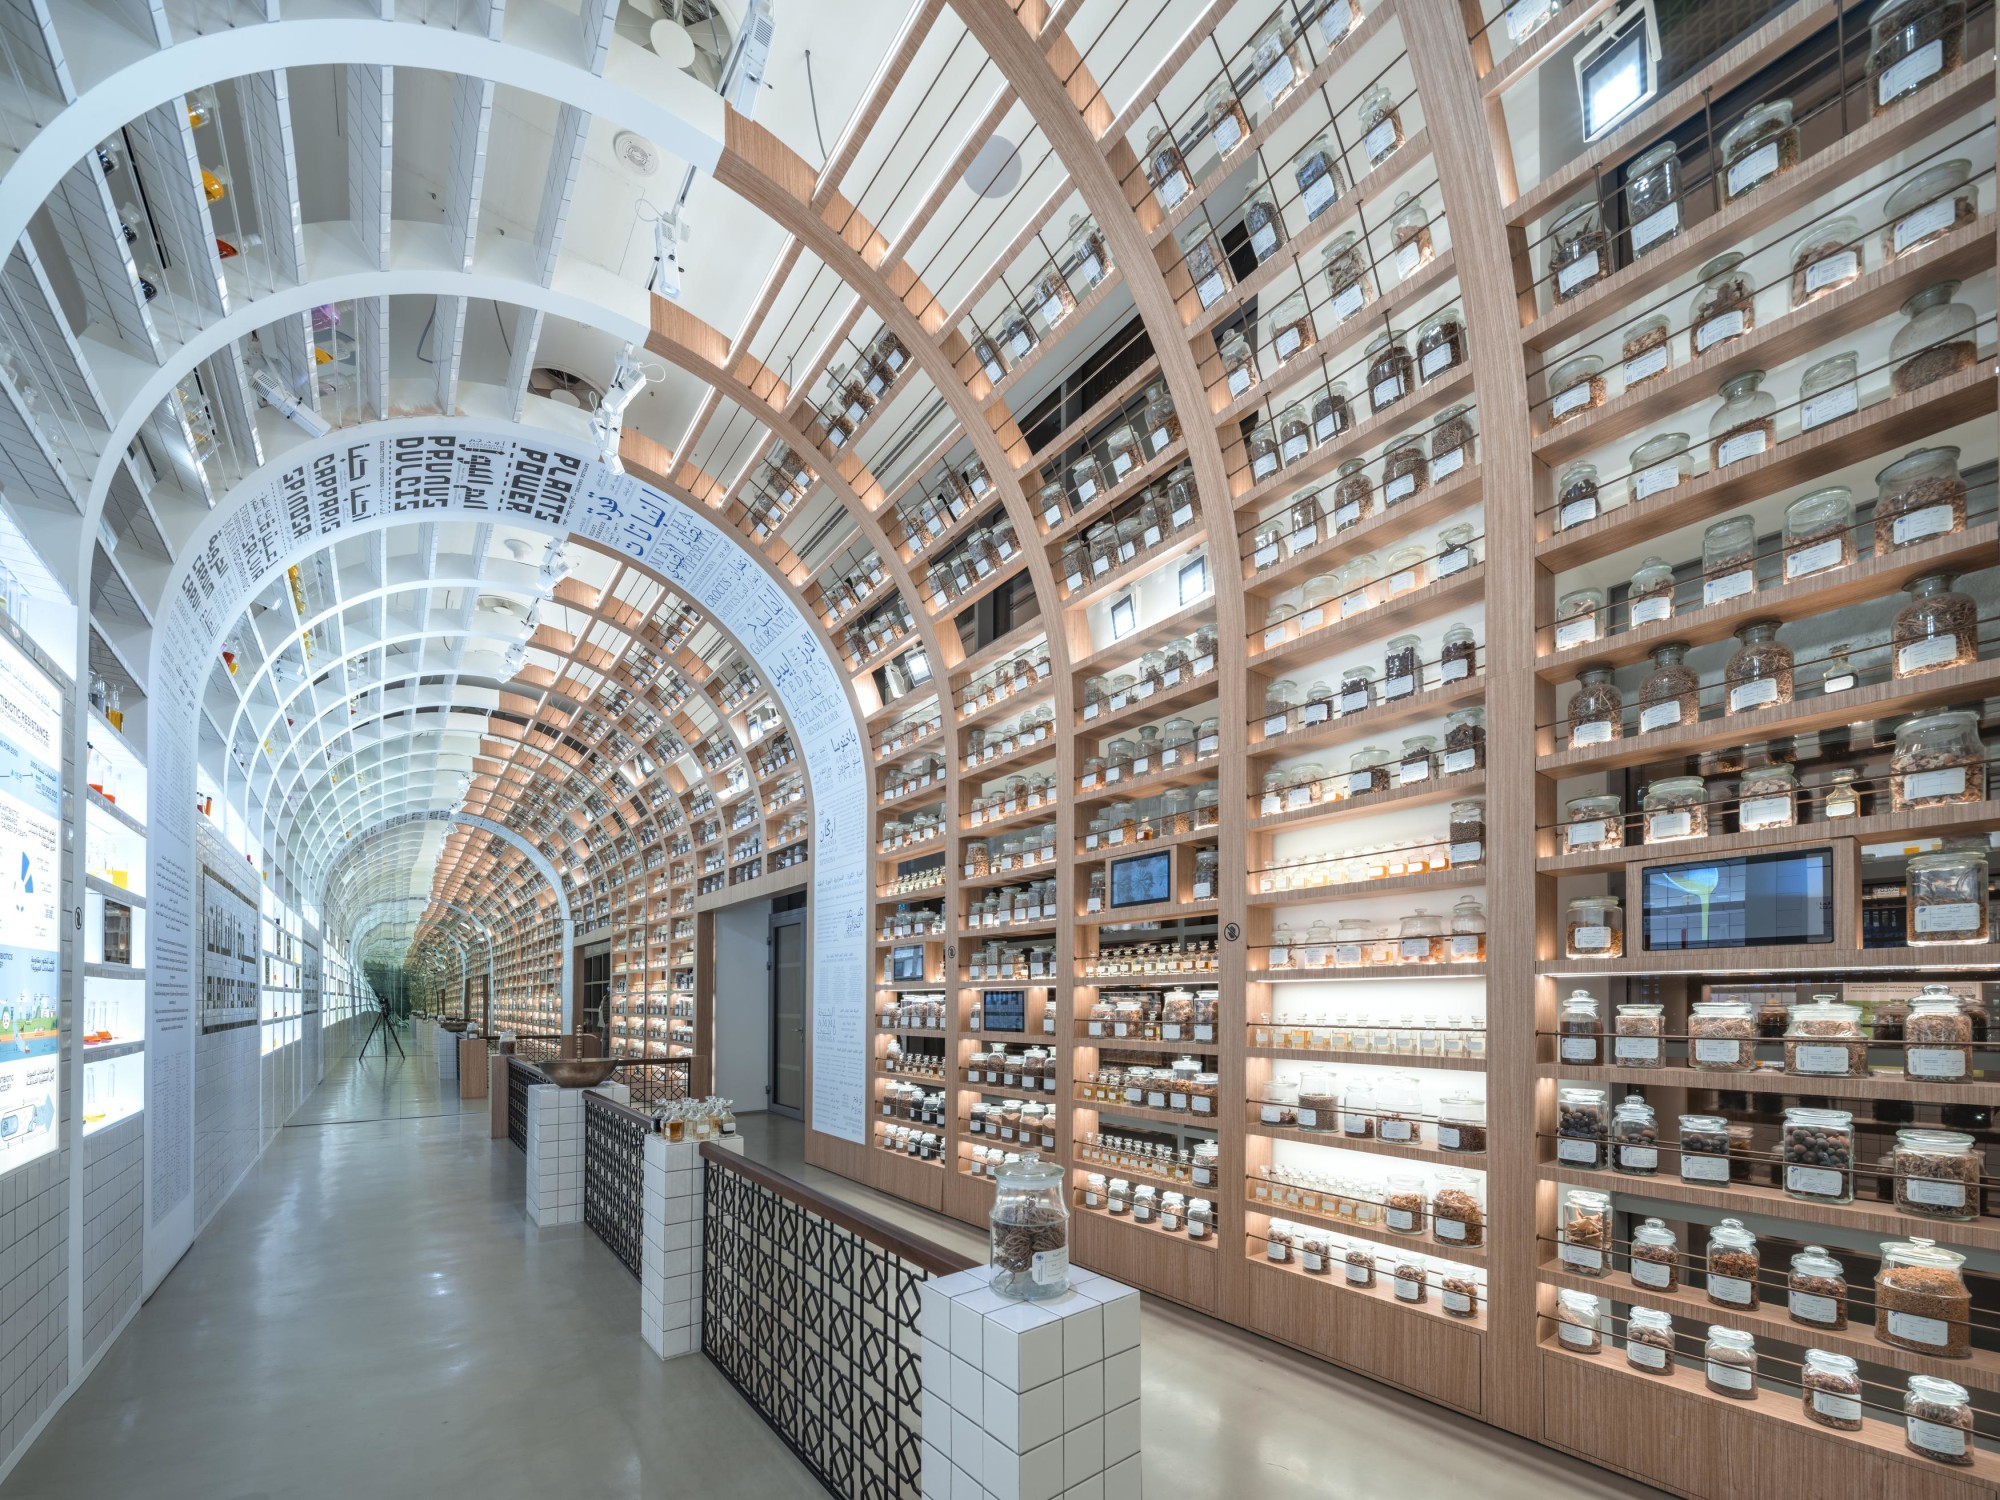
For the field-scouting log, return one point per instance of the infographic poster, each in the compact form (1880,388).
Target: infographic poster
(229,957)
(30,940)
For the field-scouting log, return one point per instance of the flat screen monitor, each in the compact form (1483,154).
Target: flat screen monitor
(1005,1010)
(1142,880)
(1758,901)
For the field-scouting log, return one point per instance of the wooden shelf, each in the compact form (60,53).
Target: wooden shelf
(1459,492)
(1312,895)
(1408,415)
(1471,1255)
(1402,1061)
(1382,1292)
(1934,822)
(1425,793)
(1205,1246)
(1183,1119)
(1425,602)
(1473,1161)
(1874,1085)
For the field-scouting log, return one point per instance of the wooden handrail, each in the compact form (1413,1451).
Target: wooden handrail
(934,1259)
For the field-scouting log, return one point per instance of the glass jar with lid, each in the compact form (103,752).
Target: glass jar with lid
(1706,1143)
(1088,259)
(1767,798)
(1453,442)
(1746,424)
(1381,124)
(1829,391)
(1723,307)
(1052,298)
(1458,1208)
(1577,1027)
(1357,688)
(1421,938)
(1594,928)
(1368,771)
(1579,249)
(1228,125)
(1824,1039)
(1407,567)
(1819,532)
(1594,823)
(1030,1232)
(1640,1036)
(1405,470)
(1464,741)
(1410,234)
(1760,146)
(1166,169)
(1576,495)
(1946,900)
(1440,344)
(1722,1036)
(1635,1141)
(1467,944)
(1921,495)
(1653,197)
(1018,337)
(1649,1339)
(1729,1363)
(1596,709)
(1825,258)
(1939,759)
(1583,1235)
(1261,449)
(1316,170)
(1936,630)
(1817,1290)
(1649,596)
(1162,423)
(1295,441)
(1759,674)
(1264,225)
(1939,339)
(1418,761)
(1344,264)
(1929,206)
(1390,373)
(1911,45)
(1579,1321)
(1937,1419)
(1676,807)
(1817,1148)
(1207,267)
(1733,1263)
(1458,656)
(1278,59)
(1462,1123)
(1576,387)
(1921,1300)
(1123,453)
(1937,1172)
(1660,463)
(1580,616)
(1239,365)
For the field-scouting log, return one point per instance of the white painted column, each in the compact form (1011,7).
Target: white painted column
(555,1155)
(1030,1400)
(670,1258)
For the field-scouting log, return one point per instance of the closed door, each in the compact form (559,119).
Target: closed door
(788,1014)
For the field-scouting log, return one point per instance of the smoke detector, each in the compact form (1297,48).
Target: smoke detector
(639,155)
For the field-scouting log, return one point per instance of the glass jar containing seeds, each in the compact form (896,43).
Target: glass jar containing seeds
(1937,1173)
(1722,1036)
(1760,673)
(1920,495)
(1464,741)
(1732,1265)
(1819,532)
(1577,1027)
(1635,1133)
(1939,759)
(1207,267)
(1576,387)
(1440,344)
(1653,197)
(1767,797)
(1656,1256)
(1594,823)
(1939,340)
(1746,424)
(1830,1390)
(1761,146)
(1825,258)
(1579,1321)
(1921,1300)
(1829,391)
(1932,204)
(1723,307)
(1344,263)
(1264,225)
(1676,807)
(1316,170)
(1381,124)
(1595,928)
(1824,1040)
(1816,1293)
(1391,373)
(1671,693)
(1166,170)
(1705,1146)
(1410,235)
(1645,353)
(1649,596)
(1937,1419)
(1452,442)
(1228,125)
(1938,628)
(1579,249)
(1577,495)
(1817,1149)
(1405,470)
(1640,1036)
(1584,1242)
(1596,709)
(1946,897)
(1649,1340)
(1911,45)
(1660,463)
(1291,328)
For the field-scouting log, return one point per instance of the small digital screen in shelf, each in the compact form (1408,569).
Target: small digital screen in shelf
(906,963)
(1618,70)
(1754,902)
(1142,880)
(1004,1010)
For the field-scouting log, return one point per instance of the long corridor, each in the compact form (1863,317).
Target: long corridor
(371,1314)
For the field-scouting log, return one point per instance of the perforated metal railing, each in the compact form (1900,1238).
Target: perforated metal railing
(809,1307)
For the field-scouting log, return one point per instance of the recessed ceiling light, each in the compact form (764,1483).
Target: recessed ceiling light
(996,170)
(638,154)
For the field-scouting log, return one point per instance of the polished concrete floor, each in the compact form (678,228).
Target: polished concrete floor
(371,1315)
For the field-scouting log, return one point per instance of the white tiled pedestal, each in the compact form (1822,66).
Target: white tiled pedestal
(1030,1400)
(670,1260)
(555,1155)
(446,1043)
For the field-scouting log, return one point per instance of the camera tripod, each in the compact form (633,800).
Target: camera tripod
(386,1025)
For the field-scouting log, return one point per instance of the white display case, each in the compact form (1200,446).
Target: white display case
(115,937)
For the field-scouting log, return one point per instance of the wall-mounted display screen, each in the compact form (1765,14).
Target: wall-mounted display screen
(31,719)
(1005,1010)
(1142,880)
(906,963)
(1740,903)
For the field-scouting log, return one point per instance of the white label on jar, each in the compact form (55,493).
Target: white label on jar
(1658,224)
(1753,694)
(1239,380)
(1579,1255)
(1652,1356)
(1264,466)
(1399,487)
(1408,259)
(1448,1229)
(1815,558)
(1468,853)
(1753,169)
(1161,437)
(1275,635)
(1402,582)
(1353,703)
(1743,445)
(1715,330)
(1408,1289)
(1415,771)
(1576,273)
(1638,1159)
(1274,724)
(1936,1062)
(1050,1267)
(1576,632)
(1181,516)
(1399,687)
(1264,556)
(1704,1168)
(1348,303)
(1728,586)
(1346,514)
(1458,1302)
(1815,1182)
(1309,1117)
(1810,1058)
(1298,796)
(1948,916)
(1453,670)
(1937,1437)
(1277,78)
(1660,477)
(1914,526)
(1713,1050)
(1643,367)
(1297,445)
(1314,712)
(1584,1152)
(1643,1048)
(1402,1220)
(1570,1333)
(1734,1376)
(1311,1260)
(1828,269)
(1413,949)
(1203,1104)
(1449,462)
(1575,514)
(1271,1114)
(1275,1251)
(1396,1130)
(1899,78)
(1934,652)
(1925,222)
(1210,289)
(1578,1049)
(1764,812)
(1318,193)
(1383,392)
(1156,1099)
(1568,401)
(1659,716)
(1588,832)
(1732,1289)
(1590,939)
(1447,1139)
(1808,1307)
(1916,1330)
(1226,134)
(1930,1190)
(1829,406)
(1358,1274)
(1669,825)
(1436,360)
(1657,1273)
(1455,761)
(1921,786)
